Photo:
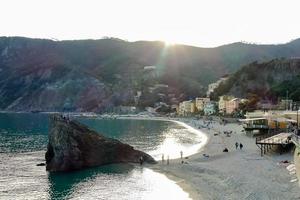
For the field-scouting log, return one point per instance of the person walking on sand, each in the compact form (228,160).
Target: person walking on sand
(168,160)
(181,154)
(236,145)
(241,146)
(163,158)
(141,160)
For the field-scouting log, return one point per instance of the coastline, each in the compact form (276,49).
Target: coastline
(159,167)
(237,174)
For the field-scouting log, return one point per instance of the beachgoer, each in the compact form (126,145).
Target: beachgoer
(168,160)
(181,154)
(141,160)
(205,155)
(241,145)
(163,158)
(236,145)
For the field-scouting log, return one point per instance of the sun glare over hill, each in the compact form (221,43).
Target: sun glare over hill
(205,23)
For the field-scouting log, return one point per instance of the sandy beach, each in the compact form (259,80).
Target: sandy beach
(237,174)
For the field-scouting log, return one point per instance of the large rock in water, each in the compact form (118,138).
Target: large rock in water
(73,146)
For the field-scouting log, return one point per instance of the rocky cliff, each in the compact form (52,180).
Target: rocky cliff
(267,80)
(73,146)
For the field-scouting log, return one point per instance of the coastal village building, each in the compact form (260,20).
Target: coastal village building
(200,102)
(226,105)
(210,108)
(229,104)
(285,104)
(187,108)
(232,105)
(266,105)
(222,103)
(293,115)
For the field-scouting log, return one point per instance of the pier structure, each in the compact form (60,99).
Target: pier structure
(265,143)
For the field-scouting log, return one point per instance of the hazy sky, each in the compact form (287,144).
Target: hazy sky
(203,23)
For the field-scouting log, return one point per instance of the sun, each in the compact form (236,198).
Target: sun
(169,43)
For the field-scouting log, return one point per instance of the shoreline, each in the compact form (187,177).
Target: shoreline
(181,182)
(204,137)
(250,177)
(237,174)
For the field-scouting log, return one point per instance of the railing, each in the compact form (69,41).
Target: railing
(274,140)
(255,126)
(296,139)
(270,134)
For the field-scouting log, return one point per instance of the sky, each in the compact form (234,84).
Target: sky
(203,23)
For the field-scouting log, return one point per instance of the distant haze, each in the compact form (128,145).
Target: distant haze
(204,23)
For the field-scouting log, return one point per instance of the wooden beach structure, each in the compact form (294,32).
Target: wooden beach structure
(265,143)
(267,125)
(275,128)
(260,124)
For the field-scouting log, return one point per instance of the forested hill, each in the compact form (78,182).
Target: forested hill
(91,75)
(267,80)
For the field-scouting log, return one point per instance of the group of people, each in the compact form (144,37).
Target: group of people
(168,158)
(237,145)
(163,159)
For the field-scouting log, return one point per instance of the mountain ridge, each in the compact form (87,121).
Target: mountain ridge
(92,75)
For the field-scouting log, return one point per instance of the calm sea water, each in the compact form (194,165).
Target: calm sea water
(23,141)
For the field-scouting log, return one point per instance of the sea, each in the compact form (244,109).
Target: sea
(23,143)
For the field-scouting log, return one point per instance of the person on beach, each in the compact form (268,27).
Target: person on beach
(236,145)
(168,160)
(241,146)
(163,158)
(181,154)
(141,160)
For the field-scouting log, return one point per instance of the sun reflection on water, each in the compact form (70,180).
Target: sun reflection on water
(186,139)
(141,183)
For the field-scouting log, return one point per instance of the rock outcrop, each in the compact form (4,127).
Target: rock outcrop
(73,146)
(267,80)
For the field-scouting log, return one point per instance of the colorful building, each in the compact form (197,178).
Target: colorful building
(222,103)
(200,102)
(232,105)
(186,108)
(210,108)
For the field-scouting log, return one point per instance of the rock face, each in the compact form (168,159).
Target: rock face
(73,146)
(267,80)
